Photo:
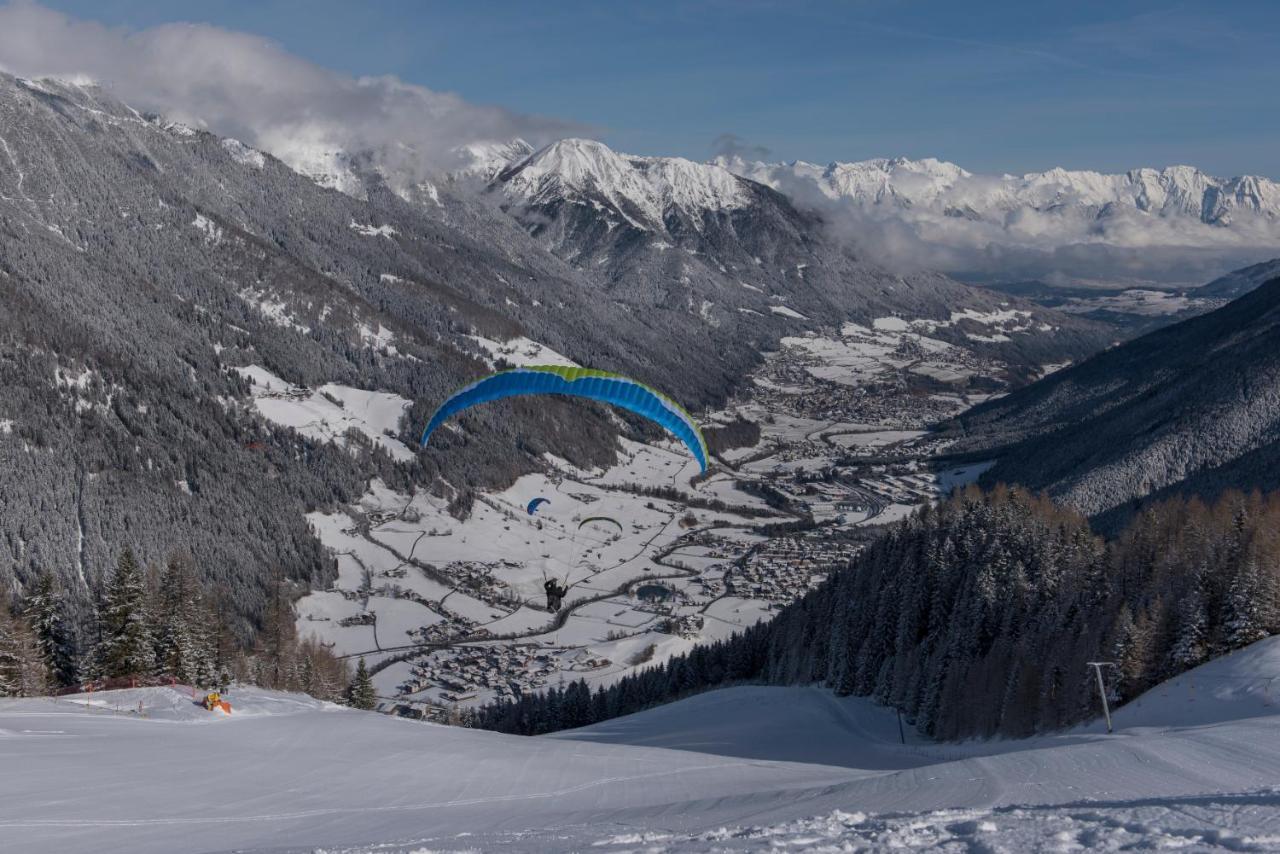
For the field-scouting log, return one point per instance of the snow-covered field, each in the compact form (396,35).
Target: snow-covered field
(405,564)
(330,412)
(1194,765)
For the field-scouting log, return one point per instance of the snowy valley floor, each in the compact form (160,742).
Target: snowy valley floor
(1194,765)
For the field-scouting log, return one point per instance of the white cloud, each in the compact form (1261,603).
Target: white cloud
(244,86)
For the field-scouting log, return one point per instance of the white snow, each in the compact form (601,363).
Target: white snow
(211,230)
(1193,765)
(309,153)
(945,204)
(243,154)
(374,230)
(520,351)
(273,309)
(787,312)
(317,415)
(889,324)
(486,158)
(640,189)
(1137,301)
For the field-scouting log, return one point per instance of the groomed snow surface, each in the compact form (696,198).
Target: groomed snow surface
(1194,765)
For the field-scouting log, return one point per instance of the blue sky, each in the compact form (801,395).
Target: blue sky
(995,86)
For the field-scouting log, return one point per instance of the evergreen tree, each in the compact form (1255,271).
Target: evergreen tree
(22,671)
(361,694)
(126,648)
(44,609)
(1191,631)
(1245,619)
(182,631)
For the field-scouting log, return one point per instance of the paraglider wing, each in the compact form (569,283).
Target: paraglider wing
(536,503)
(608,519)
(578,382)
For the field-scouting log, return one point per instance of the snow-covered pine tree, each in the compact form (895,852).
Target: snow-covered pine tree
(361,694)
(1190,632)
(22,671)
(44,610)
(126,648)
(182,631)
(1244,618)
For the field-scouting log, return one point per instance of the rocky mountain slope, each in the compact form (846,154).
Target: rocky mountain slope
(151,273)
(1192,407)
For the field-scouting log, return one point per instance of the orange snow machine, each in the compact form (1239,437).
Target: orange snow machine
(213,702)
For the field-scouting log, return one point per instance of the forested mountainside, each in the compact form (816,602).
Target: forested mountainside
(978,618)
(1240,282)
(1193,407)
(142,263)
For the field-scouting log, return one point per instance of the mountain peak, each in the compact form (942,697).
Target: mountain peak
(642,189)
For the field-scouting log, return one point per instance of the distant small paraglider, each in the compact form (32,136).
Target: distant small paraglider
(609,520)
(536,503)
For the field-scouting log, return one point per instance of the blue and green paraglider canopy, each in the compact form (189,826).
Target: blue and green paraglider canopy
(602,386)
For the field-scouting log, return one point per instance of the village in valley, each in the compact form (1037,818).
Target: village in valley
(453,613)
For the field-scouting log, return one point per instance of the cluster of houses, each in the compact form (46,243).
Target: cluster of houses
(503,671)
(784,569)
(475,578)
(450,628)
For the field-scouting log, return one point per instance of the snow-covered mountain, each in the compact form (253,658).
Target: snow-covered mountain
(1177,225)
(642,190)
(1174,224)
(1173,192)
(669,231)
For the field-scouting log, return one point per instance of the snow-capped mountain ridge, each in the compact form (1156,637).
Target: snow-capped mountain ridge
(642,188)
(1172,191)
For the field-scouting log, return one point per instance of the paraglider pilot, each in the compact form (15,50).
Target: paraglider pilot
(555,594)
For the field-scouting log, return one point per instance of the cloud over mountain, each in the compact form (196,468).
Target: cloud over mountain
(240,85)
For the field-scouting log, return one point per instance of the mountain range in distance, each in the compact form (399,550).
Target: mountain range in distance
(1175,227)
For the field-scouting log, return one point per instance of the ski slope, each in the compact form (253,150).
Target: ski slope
(1195,765)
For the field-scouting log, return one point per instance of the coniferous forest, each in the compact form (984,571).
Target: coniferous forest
(978,617)
(159,625)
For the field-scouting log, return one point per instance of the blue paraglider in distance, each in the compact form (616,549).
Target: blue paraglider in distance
(536,503)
